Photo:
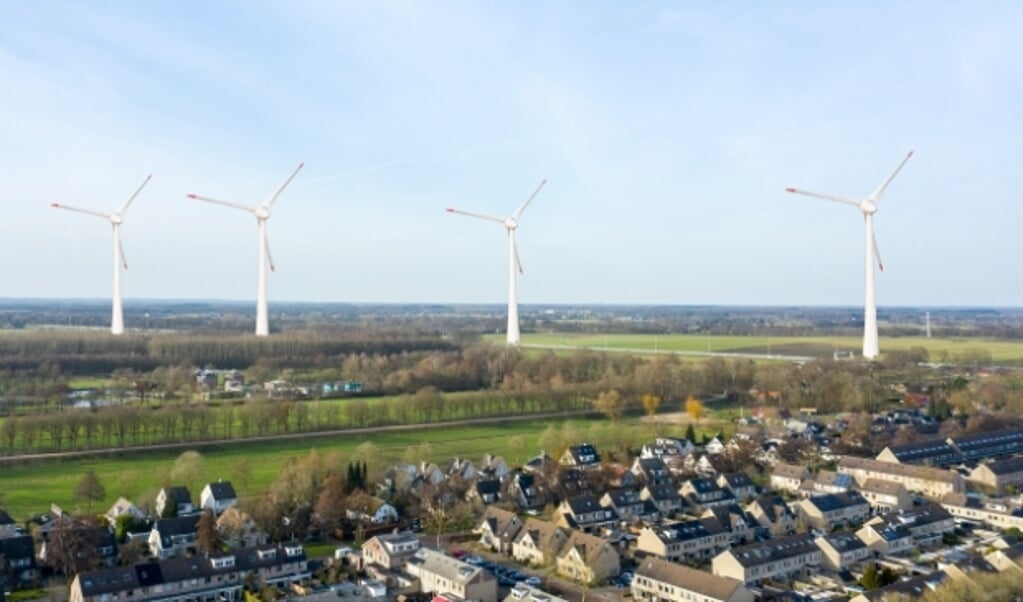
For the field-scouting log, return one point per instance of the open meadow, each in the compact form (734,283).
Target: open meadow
(1002,351)
(31,488)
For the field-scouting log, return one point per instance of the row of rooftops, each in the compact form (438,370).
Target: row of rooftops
(955,450)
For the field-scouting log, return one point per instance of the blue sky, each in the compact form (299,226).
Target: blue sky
(667,132)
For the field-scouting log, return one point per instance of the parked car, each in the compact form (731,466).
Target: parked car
(534,581)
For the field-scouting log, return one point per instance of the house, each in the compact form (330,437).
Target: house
(788,477)
(741,486)
(580,456)
(927,523)
(664,447)
(664,497)
(658,580)
(99,539)
(936,453)
(885,496)
(886,539)
(999,474)
(493,467)
(390,550)
(773,514)
(779,559)
(827,481)
(20,555)
(218,496)
(524,491)
(587,559)
(705,493)
(740,525)
(688,541)
(585,513)
(835,510)
(487,491)
(8,526)
(538,543)
(527,593)
(842,551)
(174,501)
(914,587)
(368,508)
(625,502)
(979,510)
(209,577)
(929,481)
(174,536)
(238,530)
(462,469)
(651,471)
(122,507)
(498,529)
(443,575)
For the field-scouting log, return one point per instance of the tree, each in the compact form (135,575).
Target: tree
(651,403)
(89,489)
(187,469)
(73,545)
(691,433)
(694,407)
(330,503)
(611,404)
(207,537)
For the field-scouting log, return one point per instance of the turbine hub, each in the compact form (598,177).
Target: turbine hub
(511,223)
(868,207)
(116,219)
(261,212)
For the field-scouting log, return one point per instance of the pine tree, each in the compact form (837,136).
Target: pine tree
(691,433)
(89,490)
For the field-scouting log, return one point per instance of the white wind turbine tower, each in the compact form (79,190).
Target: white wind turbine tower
(868,206)
(262,213)
(115,219)
(514,265)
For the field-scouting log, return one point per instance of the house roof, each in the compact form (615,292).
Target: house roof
(705,485)
(905,470)
(688,530)
(584,454)
(729,516)
(501,522)
(581,504)
(651,465)
(789,471)
(18,547)
(700,582)
(590,547)
(540,531)
(488,487)
(222,490)
(737,480)
(836,501)
(922,452)
(773,550)
(179,495)
(771,505)
(1006,466)
(623,497)
(178,525)
(662,493)
(843,542)
(881,487)
(924,514)
(445,566)
(833,479)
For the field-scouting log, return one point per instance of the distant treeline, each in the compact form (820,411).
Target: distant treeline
(89,353)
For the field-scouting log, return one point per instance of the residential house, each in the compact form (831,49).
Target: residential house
(174,501)
(368,508)
(992,444)
(835,510)
(929,481)
(664,497)
(587,559)
(493,467)
(626,503)
(524,491)
(885,496)
(122,507)
(538,543)
(174,536)
(19,554)
(689,541)
(741,486)
(220,576)
(842,551)
(999,474)
(886,539)
(667,447)
(100,539)
(911,588)
(462,468)
(527,593)
(774,514)
(583,456)
(238,530)
(584,512)
(826,481)
(995,513)
(779,559)
(498,529)
(8,526)
(218,496)
(538,464)
(443,575)
(390,550)
(936,453)
(927,522)
(705,493)
(659,580)
(742,528)
(788,477)
(487,491)
(651,471)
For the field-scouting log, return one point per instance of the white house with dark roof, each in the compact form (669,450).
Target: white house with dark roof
(886,539)
(842,551)
(927,480)
(585,513)
(626,503)
(835,510)
(687,541)
(174,501)
(705,493)
(742,528)
(218,496)
(487,491)
(652,471)
(581,456)
(665,497)
(390,550)
(174,536)
(658,580)
(780,559)
(741,486)
(774,514)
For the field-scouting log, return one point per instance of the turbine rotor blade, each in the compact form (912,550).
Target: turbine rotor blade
(269,255)
(876,195)
(273,198)
(128,202)
(499,220)
(518,212)
(80,210)
(231,204)
(827,197)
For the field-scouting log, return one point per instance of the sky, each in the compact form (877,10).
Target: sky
(667,132)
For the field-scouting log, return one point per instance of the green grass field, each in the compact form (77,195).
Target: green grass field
(32,488)
(1002,351)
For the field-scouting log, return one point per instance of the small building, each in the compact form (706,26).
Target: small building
(584,512)
(842,551)
(780,559)
(581,456)
(657,580)
(999,474)
(538,543)
(740,485)
(835,510)
(498,529)
(390,550)
(885,496)
(689,541)
(788,477)
(174,501)
(441,574)
(773,514)
(705,493)
(588,559)
(218,497)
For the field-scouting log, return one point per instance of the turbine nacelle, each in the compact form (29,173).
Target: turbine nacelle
(261,212)
(116,219)
(868,207)
(511,223)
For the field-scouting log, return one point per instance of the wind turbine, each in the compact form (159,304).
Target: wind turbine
(262,213)
(115,219)
(514,264)
(868,206)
